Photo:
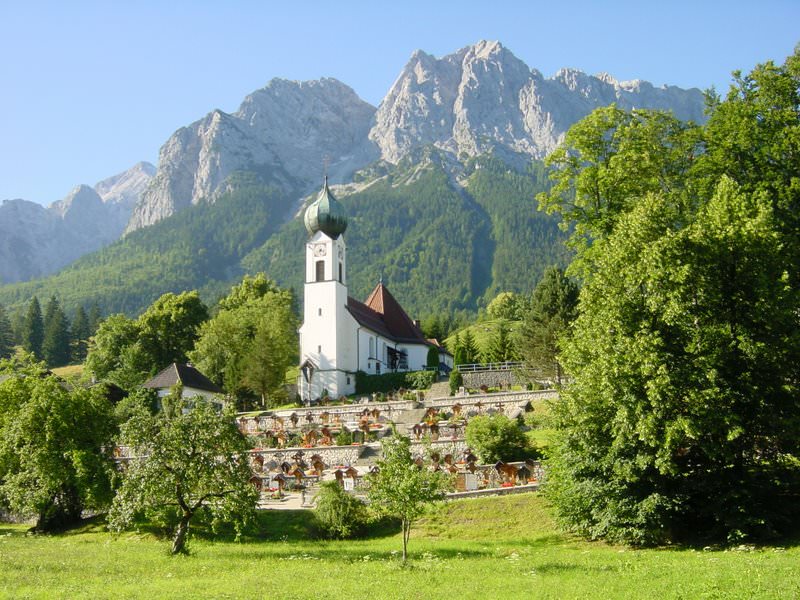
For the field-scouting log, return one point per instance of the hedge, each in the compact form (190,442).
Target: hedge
(387,382)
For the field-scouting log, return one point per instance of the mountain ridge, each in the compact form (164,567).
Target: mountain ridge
(36,241)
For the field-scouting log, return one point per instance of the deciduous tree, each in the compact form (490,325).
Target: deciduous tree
(685,353)
(54,446)
(400,488)
(187,460)
(249,344)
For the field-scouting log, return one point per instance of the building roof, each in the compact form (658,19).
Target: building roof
(326,214)
(184,374)
(383,314)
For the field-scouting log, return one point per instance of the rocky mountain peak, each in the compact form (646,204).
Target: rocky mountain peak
(483,98)
(283,133)
(79,203)
(127,187)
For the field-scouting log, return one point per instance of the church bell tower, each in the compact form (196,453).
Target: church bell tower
(327,363)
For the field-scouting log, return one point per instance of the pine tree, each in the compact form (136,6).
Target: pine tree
(471,353)
(501,347)
(81,332)
(33,329)
(55,346)
(6,335)
(95,318)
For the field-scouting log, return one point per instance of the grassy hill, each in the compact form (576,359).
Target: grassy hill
(441,246)
(505,547)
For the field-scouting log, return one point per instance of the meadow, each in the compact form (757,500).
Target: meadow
(503,547)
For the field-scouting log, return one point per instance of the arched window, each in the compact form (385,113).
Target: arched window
(320,270)
(341,273)
(371,347)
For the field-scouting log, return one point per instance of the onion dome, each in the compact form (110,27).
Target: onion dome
(326,214)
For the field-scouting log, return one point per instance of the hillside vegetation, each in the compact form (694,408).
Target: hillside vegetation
(440,246)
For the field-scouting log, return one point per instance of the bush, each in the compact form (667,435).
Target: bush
(456,381)
(344,438)
(496,438)
(339,514)
(420,380)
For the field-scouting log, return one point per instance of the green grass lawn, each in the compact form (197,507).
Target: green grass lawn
(505,547)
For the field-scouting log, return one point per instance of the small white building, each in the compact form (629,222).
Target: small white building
(193,383)
(341,335)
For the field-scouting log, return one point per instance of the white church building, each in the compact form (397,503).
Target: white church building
(341,335)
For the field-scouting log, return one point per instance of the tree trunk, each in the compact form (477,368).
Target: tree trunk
(180,535)
(406,527)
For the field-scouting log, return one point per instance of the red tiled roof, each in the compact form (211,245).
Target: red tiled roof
(384,315)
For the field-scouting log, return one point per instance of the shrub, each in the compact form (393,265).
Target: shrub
(339,514)
(344,438)
(456,381)
(496,438)
(420,380)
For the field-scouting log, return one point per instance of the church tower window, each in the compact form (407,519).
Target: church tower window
(341,273)
(320,266)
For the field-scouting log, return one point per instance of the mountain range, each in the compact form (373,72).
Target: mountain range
(36,241)
(439,177)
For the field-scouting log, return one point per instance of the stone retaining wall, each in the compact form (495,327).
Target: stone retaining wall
(331,455)
(506,378)
(498,491)
(443,447)
(348,412)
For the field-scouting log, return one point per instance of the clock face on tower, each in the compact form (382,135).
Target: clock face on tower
(320,250)
(341,252)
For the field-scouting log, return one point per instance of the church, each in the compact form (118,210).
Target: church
(340,335)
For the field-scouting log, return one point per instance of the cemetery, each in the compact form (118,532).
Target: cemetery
(295,450)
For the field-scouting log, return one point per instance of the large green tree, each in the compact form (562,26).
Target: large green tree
(187,461)
(56,341)
(252,340)
(686,349)
(55,445)
(115,354)
(33,329)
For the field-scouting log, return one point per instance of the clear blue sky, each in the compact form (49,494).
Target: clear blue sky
(87,89)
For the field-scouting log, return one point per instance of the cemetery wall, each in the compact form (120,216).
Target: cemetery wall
(331,455)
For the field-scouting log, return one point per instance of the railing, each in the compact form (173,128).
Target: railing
(498,366)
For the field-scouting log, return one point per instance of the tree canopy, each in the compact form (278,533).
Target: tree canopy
(56,341)
(126,351)
(685,352)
